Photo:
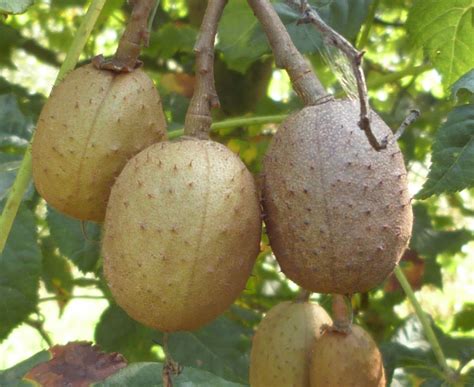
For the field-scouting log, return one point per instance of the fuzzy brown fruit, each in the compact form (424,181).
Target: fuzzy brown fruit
(338,213)
(93,122)
(346,360)
(182,232)
(282,345)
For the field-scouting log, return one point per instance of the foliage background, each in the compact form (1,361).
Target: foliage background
(418,54)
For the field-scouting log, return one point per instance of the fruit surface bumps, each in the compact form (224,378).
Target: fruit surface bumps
(346,360)
(182,232)
(93,122)
(282,345)
(338,212)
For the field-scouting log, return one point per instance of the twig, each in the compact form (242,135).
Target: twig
(341,313)
(355,57)
(79,297)
(39,326)
(135,36)
(198,117)
(23,176)
(236,122)
(410,119)
(449,373)
(170,367)
(304,80)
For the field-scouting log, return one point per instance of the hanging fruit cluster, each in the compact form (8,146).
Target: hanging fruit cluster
(183,219)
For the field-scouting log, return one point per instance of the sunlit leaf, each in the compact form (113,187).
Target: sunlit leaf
(14,6)
(444,29)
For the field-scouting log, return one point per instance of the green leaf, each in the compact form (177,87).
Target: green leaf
(221,347)
(149,374)
(452,164)
(13,376)
(444,29)
(464,319)
(430,242)
(80,244)
(464,87)
(20,268)
(172,38)
(56,273)
(15,128)
(242,40)
(117,332)
(9,164)
(14,6)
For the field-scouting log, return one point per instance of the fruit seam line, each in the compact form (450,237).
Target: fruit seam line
(23,177)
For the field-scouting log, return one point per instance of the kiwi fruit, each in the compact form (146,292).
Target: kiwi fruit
(93,122)
(182,232)
(281,347)
(338,212)
(340,359)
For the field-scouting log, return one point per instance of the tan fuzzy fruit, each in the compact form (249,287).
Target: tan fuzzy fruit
(93,122)
(282,345)
(338,212)
(346,360)
(182,232)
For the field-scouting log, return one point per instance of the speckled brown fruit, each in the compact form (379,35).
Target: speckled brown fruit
(338,213)
(93,122)
(346,360)
(182,232)
(282,345)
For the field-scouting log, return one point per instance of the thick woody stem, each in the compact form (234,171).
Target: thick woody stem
(135,36)
(304,80)
(198,117)
(355,57)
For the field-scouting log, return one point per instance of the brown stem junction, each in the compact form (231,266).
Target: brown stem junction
(135,36)
(170,367)
(304,80)
(198,117)
(341,315)
(309,15)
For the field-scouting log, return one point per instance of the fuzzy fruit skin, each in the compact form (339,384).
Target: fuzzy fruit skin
(182,232)
(338,213)
(282,345)
(93,122)
(346,360)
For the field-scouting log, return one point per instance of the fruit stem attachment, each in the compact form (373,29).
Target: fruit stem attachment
(303,296)
(304,80)
(341,314)
(135,36)
(23,176)
(429,333)
(332,37)
(198,117)
(170,367)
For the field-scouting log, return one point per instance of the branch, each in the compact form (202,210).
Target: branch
(136,34)
(355,57)
(23,176)
(304,80)
(198,117)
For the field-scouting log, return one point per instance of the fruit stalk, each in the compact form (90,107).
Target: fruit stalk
(304,80)
(135,36)
(341,313)
(435,346)
(23,176)
(198,117)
